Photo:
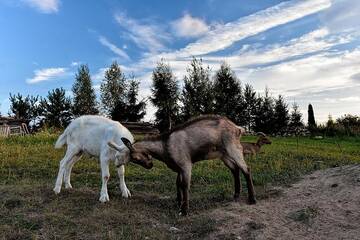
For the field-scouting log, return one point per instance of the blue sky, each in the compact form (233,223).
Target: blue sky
(307,50)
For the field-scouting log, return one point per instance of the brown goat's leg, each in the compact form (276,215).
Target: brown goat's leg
(236,174)
(237,184)
(185,186)
(179,196)
(250,186)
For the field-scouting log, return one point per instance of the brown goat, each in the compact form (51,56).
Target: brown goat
(250,148)
(202,138)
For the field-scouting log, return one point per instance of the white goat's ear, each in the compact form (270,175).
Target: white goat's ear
(127,143)
(115,146)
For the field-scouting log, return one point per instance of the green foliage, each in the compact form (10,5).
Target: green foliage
(250,107)
(112,88)
(84,100)
(281,116)
(57,108)
(228,94)
(296,124)
(165,96)
(130,109)
(24,107)
(311,119)
(264,119)
(197,94)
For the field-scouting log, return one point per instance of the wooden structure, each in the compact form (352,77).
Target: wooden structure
(10,126)
(140,127)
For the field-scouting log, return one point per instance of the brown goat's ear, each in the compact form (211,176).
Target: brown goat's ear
(127,144)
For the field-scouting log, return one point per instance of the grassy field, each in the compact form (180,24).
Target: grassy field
(30,210)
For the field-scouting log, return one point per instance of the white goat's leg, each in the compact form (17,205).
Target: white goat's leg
(70,153)
(68,168)
(124,190)
(105,175)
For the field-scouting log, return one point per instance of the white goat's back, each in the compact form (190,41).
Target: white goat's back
(92,133)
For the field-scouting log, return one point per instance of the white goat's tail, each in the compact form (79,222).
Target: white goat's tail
(61,140)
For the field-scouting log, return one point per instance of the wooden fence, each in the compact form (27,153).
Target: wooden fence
(9,130)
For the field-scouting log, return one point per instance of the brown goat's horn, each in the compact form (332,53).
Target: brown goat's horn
(261,134)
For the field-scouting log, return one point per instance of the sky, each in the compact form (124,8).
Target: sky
(306,50)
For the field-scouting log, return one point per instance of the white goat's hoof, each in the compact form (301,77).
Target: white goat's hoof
(125,193)
(104,198)
(57,190)
(68,186)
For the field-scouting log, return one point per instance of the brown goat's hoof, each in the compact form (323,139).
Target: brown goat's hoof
(252,201)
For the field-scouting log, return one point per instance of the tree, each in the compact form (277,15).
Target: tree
(57,108)
(228,94)
(311,119)
(84,101)
(264,119)
(251,103)
(24,107)
(281,115)
(296,124)
(165,96)
(130,109)
(112,88)
(197,95)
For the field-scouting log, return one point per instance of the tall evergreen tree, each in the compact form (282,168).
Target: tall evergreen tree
(197,95)
(296,123)
(130,109)
(228,94)
(311,119)
(112,88)
(250,106)
(281,115)
(84,100)
(165,96)
(57,108)
(264,119)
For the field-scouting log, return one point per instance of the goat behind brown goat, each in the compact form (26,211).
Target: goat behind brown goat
(250,148)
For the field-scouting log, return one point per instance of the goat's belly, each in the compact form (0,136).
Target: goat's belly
(213,155)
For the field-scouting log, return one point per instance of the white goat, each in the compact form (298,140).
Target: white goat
(91,135)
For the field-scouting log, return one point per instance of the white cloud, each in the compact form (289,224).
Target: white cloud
(46,74)
(74,63)
(225,35)
(310,43)
(113,48)
(350,99)
(188,26)
(145,36)
(44,6)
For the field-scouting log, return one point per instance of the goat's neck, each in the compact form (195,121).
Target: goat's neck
(154,147)
(259,143)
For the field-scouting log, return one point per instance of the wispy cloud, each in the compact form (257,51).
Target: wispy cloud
(113,48)
(75,63)
(46,74)
(188,26)
(225,35)
(146,36)
(44,6)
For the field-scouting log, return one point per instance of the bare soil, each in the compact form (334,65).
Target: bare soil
(323,205)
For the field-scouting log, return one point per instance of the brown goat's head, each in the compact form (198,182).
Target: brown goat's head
(138,156)
(263,139)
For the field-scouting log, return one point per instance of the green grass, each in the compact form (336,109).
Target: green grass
(30,210)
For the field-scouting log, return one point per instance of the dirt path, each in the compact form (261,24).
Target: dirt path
(323,205)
